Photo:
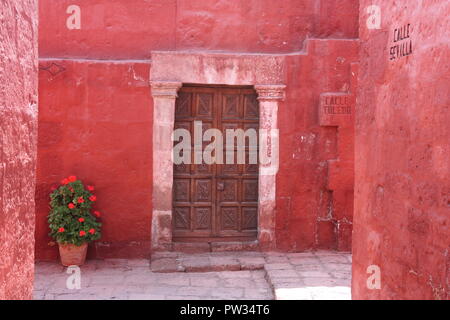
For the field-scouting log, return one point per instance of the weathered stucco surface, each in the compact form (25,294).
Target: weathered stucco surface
(18,132)
(131,29)
(97,110)
(402,191)
(307,215)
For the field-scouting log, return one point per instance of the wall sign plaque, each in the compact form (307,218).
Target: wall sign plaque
(336,109)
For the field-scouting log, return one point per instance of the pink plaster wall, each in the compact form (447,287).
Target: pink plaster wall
(18,133)
(402,191)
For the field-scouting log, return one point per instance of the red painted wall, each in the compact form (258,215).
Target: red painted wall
(18,132)
(307,212)
(95,122)
(402,191)
(96,111)
(131,29)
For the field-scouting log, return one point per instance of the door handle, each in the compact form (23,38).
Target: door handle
(220,186)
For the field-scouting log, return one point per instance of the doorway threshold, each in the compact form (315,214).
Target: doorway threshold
(214,246)
(166,262)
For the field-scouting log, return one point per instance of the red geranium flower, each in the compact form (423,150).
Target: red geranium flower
(92,231)
(71,205)
(72,178)
(97,214)
(65,181)
(90,188)
(61,229)
(82,233)
(80,200)
(81,219)
(92,198)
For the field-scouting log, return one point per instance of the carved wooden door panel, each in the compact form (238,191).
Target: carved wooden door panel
(216,202)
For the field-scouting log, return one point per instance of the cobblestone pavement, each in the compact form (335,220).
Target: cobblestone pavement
(298,276)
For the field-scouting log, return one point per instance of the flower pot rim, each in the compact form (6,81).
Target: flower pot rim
(71,244)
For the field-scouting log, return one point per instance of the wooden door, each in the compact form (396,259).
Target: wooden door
(216,202)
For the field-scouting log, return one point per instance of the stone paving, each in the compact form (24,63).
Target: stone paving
(255,276)
(310,276)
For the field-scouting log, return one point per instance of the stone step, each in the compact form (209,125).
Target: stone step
(206,262)
(203,247)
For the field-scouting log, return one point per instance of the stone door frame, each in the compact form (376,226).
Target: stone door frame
(169,70)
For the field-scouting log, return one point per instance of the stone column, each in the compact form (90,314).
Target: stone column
(164,95)
(269,97)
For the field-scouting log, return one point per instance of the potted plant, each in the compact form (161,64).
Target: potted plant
(70,220)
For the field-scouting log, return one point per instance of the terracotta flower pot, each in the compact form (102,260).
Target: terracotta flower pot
(72,255)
